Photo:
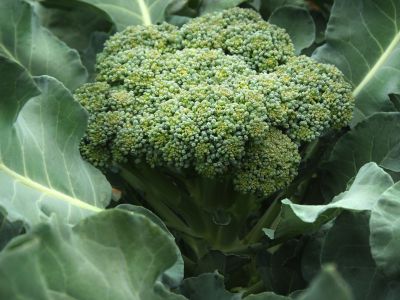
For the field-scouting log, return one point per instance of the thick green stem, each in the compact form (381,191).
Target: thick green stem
(247,249)
(256,288)
(269,218)
(161,209)
(208,212)
(265,221)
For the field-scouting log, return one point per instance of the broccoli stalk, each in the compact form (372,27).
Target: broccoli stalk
(206,120)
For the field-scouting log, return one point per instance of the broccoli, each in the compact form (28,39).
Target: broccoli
(221,104)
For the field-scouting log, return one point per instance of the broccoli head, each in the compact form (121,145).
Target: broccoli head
(224,95)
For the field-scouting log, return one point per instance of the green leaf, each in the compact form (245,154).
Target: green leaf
(267,8)
(385,231)
(298,23)
(173,276)
(131,12)
(346,244)
(73,24)
(207,286)
(82,27)
(208,6)
(25,41)
(328,285)
(370,182)
(266,296)
(375,139)
(41,170)
(280,271)
(363,40)
(111,255)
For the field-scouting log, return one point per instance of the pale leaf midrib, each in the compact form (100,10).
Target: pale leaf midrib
(379,63)
(51,192)
(145,12)
(9,54)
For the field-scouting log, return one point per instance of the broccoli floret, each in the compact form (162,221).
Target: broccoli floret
(211,96)
(219,106)
(164,38)
(269,164)
(241,32)
(305,98)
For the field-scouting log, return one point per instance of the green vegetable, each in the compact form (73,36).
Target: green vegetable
(226,169)
(223,98)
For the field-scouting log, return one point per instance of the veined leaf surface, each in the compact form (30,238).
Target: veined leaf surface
(367,187)
(132,12)
(25,41)
(298,23)
(375,139)
(363,41)
(111,255)
(346,244)
(41,170)
(385,231)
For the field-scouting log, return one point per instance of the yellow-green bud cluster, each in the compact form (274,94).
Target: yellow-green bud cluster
(241,32)
(223,94)
(268,164)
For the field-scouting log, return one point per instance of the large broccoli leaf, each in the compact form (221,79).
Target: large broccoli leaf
(209,6)
(207,286)
(347,245)
(73,24)
(363,40)
(41,170)
(367,187)
(25,41)
(375,139)
(82,27)
(328,285)
(298,23)
(385,231)
(112,255)
(130,12)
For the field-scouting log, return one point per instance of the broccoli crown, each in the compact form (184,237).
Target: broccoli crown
(224,94)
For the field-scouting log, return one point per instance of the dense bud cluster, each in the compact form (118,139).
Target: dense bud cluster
(223,94)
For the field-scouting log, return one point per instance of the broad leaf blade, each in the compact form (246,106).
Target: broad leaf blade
(385,231)
(209,6)
(132,12)
(25,41)
(207,286)
(174,275)
(375,139)
(346,245)
(266,8)
(41,170)
(363,40)
(280,271)
(370,182)
(111,255)
(298,24)
(82,27)
(73,24)
(328,285)
(267,296)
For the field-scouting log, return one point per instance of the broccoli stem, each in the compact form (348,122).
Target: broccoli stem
(208,212)
(265,221)
(164,211)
